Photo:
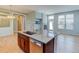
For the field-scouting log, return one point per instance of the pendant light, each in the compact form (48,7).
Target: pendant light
(10,16)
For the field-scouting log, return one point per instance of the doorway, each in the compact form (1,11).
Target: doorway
(19,23)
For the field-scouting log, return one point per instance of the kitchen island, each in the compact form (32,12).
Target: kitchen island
(36,43)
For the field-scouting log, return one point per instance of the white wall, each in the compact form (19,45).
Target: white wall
(30,21)
(4,31)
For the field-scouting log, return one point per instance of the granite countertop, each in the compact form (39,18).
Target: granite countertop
(40,37)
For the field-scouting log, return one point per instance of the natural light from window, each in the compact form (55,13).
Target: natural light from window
(66,21)
(69,21)
(50,20)
(61,22)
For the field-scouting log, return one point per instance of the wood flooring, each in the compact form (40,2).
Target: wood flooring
(63,44)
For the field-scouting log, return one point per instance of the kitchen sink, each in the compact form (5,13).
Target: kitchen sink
(29,32)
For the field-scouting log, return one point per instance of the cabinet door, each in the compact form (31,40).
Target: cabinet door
(38,15)
(21,41)
(22,44)
(26,45)
(49,47)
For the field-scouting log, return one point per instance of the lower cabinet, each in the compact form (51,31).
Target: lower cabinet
(49,47)
(29,45)
(26,45)
(23,42)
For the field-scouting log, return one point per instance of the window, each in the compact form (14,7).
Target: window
(4,22)
(61,21)
(50,20)
(66,21)
(50,25)
(69,21)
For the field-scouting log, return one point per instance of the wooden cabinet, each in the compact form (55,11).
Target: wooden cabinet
(19,41)
(49,47)
(23,42)
(29,46)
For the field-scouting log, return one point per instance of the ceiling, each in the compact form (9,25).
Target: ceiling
(48,9)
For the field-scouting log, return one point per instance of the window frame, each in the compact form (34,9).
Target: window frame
(65,21)
(70,23)
(50,31)
(63,24)
(51,20)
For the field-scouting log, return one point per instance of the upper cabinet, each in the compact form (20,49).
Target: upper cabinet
(36,15)
(38,22)
(39,15)
(32,20)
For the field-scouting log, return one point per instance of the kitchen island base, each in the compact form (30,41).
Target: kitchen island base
(26,44)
